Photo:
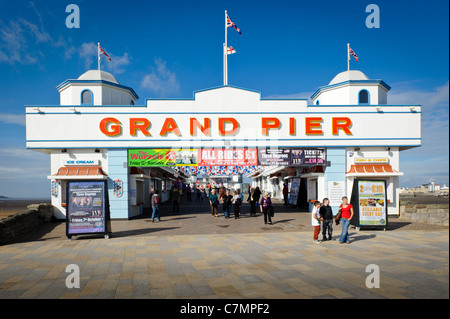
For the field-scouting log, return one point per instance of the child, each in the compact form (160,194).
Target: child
(315,221)
(327,216)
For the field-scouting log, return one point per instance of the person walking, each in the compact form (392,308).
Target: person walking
(346,210)
(156,200)
(227,198)
(257,196)
(285,194)
(198,193)
(236,200)
(189,193)
(251,200)
(175,193)
(265,207)
(214,202)
(315,221)
(327,216)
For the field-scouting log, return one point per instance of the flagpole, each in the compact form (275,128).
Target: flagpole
(98,53)
(348,56)
(225,75)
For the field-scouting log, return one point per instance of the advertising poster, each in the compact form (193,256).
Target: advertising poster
(86,207)
(228,157)
(372,203)
(293,191)
(308,157)
(162,157)
(336,190)
(274,157)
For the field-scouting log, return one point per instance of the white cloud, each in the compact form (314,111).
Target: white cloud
(161,81)
(117,63)
(88,53)
(18,119)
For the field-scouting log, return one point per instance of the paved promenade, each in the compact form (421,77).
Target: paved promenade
(194,255)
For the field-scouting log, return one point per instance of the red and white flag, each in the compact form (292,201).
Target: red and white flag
(230,50)
(103,52)
(231,24)
(350,51)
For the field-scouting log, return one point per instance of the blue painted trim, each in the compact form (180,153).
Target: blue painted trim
(234,139)
(250,146)
(381,82)
(67,82)
(228,113)
(81,98)
(99,106)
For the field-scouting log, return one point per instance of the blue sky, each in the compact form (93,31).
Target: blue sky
(166,49)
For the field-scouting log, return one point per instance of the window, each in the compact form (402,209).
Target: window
(317,102)
(132,102)
(363,97)
(87,97)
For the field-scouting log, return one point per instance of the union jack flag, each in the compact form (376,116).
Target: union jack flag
(103,52)
(232,24)
(353,53)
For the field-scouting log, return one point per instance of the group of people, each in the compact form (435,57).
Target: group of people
(235,199)
(323,215)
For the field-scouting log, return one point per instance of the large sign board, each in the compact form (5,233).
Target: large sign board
(87,208)
(292,156)
(369,203)
(221,117)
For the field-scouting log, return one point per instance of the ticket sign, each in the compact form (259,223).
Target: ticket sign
(369,202)
(292,156)
(87,208)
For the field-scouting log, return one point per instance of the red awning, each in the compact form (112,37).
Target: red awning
(79,172)
(375,169)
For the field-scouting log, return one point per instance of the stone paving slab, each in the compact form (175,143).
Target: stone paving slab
(264,265)
(191,256)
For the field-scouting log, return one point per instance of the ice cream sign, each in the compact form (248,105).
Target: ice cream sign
(81,162)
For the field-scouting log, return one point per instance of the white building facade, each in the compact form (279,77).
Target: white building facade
(89,134)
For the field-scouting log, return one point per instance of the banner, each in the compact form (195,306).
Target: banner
(372,203)
(292,156)
(274,157)
(162,157)
(308,157)
(228,157)
(86,207)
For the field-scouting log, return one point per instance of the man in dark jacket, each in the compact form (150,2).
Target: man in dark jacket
(327,214)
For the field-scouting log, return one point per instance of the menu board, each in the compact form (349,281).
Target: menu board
(86,207)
